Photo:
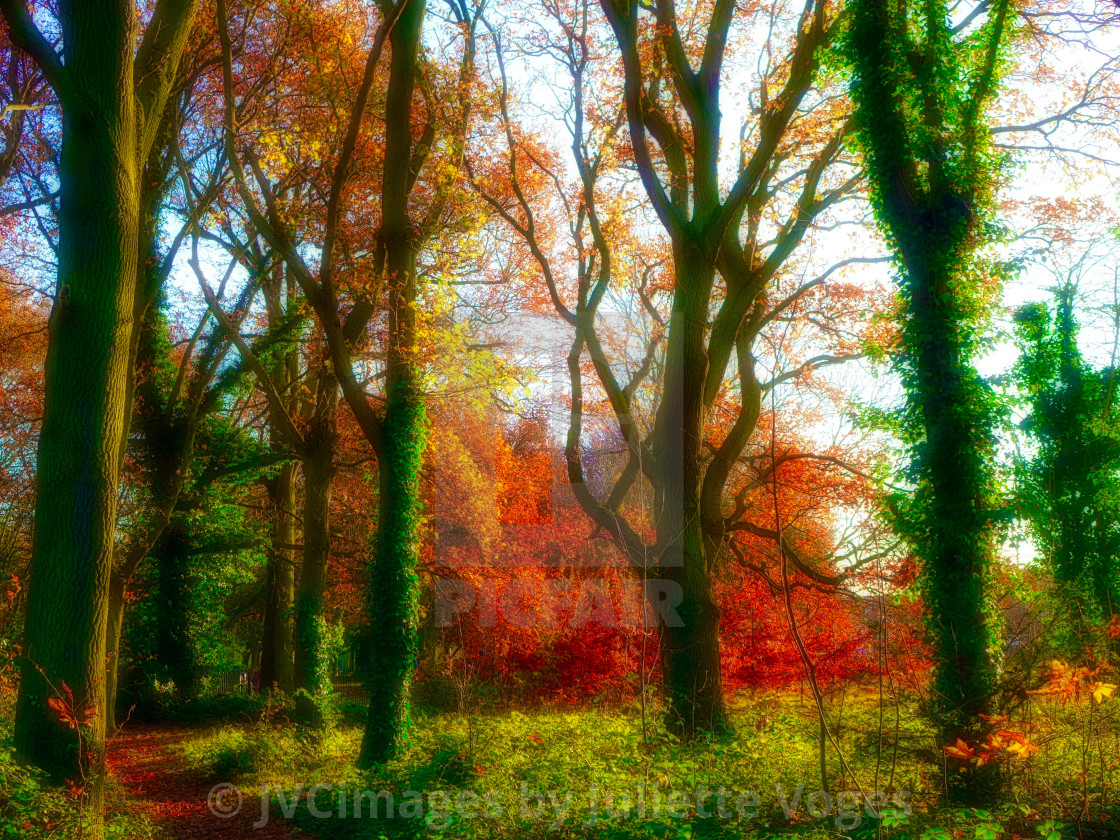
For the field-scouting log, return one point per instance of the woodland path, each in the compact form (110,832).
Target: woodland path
(146,763)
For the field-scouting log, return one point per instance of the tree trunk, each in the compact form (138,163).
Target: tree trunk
(107,106)
(113,626)
(393,590)
(277,653)
(690,651)
(149,283)
(690,659)
(312,669)
(83,413)
(392,595)
(960,546)
(278,644)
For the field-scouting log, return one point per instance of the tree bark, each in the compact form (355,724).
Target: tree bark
(690,651)
(277,651)
(83,411)
(109,92)
(312,669)
(393,587)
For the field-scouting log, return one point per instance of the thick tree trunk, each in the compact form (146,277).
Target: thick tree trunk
(83,414)
(690,651)
(961,546)
(690,657)
(958,534)
(105,114)
(312,669)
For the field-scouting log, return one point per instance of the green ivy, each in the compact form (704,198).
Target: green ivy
(920,91)
(1067,488)
(393,575)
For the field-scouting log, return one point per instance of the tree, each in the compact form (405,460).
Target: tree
(921,88)
(1067,488)
(395,432)
(112,88)
(681,424)
(307,429)
(154,266)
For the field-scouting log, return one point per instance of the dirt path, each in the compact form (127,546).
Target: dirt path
(144,760)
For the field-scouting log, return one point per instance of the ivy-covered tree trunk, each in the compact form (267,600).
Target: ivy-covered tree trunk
(393,580)
(312,668)
(392,596)
(920,99)
(957,533)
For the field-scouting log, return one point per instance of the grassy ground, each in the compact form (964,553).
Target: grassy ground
(592,773)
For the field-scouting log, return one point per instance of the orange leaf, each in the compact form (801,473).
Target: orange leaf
(959,750)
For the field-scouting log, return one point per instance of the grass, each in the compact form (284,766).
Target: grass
(590,772)
(547,773)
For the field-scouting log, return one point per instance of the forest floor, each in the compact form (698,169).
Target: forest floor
(148,764)
(582,774)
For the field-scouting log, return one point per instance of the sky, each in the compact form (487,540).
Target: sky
(1082,172)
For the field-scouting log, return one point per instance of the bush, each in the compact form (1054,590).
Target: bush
(351,712)
(313,711)
(21,799)
(32,809)
(437,693)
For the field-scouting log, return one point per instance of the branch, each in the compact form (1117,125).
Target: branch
(26,35)
(28,205)
(812,364)
(157,62)
(790,553)
(291,433)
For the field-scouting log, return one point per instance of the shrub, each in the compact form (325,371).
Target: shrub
(313,711)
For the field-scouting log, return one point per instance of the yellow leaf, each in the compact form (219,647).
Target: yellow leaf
(1101,691)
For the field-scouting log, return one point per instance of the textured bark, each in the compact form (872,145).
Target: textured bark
(113,623)
(312,669)
(109,93)
(86,378)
